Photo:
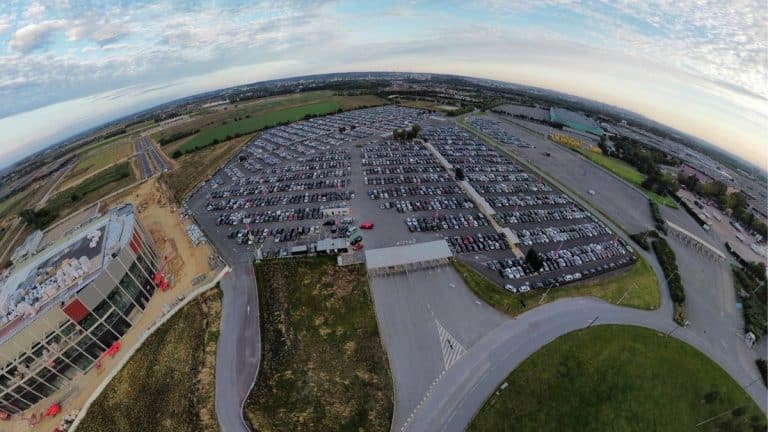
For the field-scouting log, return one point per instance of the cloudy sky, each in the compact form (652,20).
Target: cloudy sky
(699,66)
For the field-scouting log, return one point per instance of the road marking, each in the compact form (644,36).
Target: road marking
(451,348)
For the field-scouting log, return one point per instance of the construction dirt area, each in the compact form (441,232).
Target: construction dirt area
(188,267)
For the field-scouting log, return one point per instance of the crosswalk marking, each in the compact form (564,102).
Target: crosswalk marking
(451,348)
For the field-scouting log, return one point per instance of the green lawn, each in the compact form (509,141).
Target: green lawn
(95,187)
(168,384)
(618,378)
(256,122)
(98,159)
(628,173)
(635,287)
(323,366)
(15,203)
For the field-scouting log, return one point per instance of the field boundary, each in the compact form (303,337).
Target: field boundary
(147,333)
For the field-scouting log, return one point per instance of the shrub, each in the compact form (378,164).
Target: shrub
(661,224)
(641,238)
(533,259)
(668,262)
(763,368)
(711,396)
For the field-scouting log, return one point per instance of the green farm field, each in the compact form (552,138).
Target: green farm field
(254,123)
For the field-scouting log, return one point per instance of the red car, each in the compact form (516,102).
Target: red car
(366,225)
(357,247)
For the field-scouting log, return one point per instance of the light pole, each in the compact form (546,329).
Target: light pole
(593,321)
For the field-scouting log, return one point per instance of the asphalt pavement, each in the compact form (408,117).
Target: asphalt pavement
(239,348)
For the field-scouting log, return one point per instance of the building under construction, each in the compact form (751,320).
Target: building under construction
(67,305)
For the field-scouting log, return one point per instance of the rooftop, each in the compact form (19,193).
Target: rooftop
(409,254)
(61,269)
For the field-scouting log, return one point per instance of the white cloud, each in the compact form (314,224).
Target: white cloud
(33,36)
(34,11)
(5,24)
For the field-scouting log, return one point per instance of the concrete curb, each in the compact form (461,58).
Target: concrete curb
(148,332)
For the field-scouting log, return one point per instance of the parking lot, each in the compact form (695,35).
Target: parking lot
(571,243)
(622,203)
(322,178)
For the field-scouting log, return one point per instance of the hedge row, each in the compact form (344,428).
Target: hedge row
(177,136)
(755,269)
(668,262)
(661,224)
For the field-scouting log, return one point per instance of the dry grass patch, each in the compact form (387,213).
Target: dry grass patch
(323,366)
(168,385)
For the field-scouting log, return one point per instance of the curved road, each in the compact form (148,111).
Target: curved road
(238,352)
(466,386)
(239,348)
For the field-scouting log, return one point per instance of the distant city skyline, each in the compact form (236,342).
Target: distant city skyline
(697,67)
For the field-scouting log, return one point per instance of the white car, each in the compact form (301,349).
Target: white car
(510,288)
(525,288)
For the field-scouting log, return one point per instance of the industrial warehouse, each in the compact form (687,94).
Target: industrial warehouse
(67,305)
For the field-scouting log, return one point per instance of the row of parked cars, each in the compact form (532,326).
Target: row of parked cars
(260,235)
(406,191)
(402,169)
(283,199)
(430,204)
(477,243)
(281,187)
(570,277)
(292,176)
(497,177)
(541,215)
(424,160)
(517,187)
(408,179)
(560,234)
(516,268)
(281,215)
(524,200)
(446,222)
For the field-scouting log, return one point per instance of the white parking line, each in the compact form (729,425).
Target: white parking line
(451,348)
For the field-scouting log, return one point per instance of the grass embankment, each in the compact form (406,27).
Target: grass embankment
(198,166)
(323,367)
(85,193)
(12,204)
(628,173)
(96,160)
(618,378)
(95,187)
(635,287)
(168,385)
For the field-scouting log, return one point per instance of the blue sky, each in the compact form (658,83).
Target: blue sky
(66,65)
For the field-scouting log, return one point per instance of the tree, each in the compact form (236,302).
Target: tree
(460,174)
(176,154)
(533,259)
